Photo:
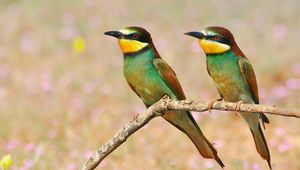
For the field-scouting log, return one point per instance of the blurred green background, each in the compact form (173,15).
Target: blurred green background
(59,104)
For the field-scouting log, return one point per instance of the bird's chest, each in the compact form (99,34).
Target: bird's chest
(145,80)
(226,74)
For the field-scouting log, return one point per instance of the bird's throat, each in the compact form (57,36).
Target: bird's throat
(213,47)
(131,46)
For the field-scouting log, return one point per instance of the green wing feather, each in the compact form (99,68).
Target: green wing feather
(250,78)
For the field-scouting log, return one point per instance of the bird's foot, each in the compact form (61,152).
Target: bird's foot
(211,103)
(238,107)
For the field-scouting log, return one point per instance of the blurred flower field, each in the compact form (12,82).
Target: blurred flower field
(63,94)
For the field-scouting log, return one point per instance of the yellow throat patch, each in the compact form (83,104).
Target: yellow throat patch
(131,46)
(213,47)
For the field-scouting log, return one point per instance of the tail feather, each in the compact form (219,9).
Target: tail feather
(186,123)
(261,144)
(264,119)
(258,136)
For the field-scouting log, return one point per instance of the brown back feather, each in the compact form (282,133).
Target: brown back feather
(169,76)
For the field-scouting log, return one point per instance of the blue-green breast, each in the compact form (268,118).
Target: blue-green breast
(142,75)
(225,71)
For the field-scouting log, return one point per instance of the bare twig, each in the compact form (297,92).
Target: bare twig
(167,104)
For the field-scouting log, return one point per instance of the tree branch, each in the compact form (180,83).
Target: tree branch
(167,104)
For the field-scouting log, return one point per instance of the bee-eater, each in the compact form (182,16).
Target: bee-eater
(234,78)
(150,77)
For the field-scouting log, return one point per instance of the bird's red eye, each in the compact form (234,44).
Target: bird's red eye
(135,35)
(216,38)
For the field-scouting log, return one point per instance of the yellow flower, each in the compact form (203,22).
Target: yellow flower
(5,162)
(78,45)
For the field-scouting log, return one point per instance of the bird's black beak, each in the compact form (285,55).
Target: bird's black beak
(116,34)
(198,35)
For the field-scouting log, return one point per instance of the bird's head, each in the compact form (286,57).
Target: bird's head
(132,39)
(214,40)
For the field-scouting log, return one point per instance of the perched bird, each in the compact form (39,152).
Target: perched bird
(150,77)
(234,78)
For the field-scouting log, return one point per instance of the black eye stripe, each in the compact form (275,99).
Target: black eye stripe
(137,36)
(221,39)
(131,36)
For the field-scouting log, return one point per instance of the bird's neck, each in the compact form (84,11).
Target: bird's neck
(219,65)
(141,59)
(137,64)
(149,52)
(220,60)
(228,53)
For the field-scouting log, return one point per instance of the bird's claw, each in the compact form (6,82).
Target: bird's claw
(211,103)
(238,107)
